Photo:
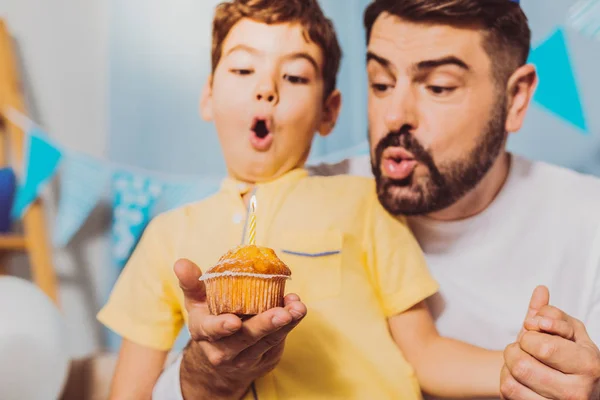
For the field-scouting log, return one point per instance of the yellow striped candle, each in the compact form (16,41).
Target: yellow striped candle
(252,231)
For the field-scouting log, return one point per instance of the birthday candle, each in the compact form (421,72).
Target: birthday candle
(252,233)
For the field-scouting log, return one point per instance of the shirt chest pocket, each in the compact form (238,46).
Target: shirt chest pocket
(315,258)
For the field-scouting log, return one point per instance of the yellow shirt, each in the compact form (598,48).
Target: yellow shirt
(353,265)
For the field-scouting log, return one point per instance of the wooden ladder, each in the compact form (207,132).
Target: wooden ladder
(34,239)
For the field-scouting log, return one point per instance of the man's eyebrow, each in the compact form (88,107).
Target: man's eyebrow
(449,60)
(384,62)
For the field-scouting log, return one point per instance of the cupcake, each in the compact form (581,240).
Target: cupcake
(247,280)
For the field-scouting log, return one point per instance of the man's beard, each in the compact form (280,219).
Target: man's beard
(444,184)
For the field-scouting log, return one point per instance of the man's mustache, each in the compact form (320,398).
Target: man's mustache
(403,138)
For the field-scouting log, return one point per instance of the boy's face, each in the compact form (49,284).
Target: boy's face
(266,99)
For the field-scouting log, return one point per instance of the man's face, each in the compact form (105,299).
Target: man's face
(436,115)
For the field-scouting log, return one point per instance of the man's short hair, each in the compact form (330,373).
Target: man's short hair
(505,29)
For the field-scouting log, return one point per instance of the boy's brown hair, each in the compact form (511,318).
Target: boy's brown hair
(307,13)
(507,37)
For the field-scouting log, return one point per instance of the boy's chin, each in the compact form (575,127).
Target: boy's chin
(260,173)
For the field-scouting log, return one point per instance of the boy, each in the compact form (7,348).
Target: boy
(358,270)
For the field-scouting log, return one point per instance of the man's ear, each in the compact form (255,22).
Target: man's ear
(331,112)
(520,90)
(206,111)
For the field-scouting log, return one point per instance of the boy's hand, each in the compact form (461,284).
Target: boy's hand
(225,354)
(554,358)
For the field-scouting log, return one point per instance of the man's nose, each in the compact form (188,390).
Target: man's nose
(402,109)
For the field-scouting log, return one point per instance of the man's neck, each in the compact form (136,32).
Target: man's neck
(481,196)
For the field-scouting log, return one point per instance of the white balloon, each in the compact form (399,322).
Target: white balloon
(34,358)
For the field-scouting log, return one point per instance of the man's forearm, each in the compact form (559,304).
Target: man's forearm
(199,380)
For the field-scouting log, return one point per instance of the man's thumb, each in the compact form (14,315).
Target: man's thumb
(188,274)
(539,299)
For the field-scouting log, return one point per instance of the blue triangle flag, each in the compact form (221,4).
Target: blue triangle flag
(134,198)
(41,160)
(557,91)
(83,181)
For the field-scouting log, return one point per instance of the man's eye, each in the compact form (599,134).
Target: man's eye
(380,87)
(441,90)
(241,71)
(295,79)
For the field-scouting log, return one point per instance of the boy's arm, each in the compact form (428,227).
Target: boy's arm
(137,371)
(445,367)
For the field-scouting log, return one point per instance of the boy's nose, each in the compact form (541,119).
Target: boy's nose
(266,93)
(267,97)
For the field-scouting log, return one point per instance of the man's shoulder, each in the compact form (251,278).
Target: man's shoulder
(355,166)
(569,185)
(572,196)
(339,185)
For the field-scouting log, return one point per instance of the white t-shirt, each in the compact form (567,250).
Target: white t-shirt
(542,228)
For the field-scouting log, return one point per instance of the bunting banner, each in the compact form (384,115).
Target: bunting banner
(136,195)
(83,182)
(133,199)
(41,159)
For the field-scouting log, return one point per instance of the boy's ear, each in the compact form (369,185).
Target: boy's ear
(206,100)
(331,112)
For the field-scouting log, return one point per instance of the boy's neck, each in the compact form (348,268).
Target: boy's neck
(246,188)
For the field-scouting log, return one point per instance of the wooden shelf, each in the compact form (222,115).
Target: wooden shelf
(12,242)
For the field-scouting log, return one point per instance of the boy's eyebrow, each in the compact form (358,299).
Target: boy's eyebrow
(292,56)
(303,55)
(243,47)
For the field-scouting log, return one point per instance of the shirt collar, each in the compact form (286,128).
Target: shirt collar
(240,188)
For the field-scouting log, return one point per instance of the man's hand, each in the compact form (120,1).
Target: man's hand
(553,358)
(225,354)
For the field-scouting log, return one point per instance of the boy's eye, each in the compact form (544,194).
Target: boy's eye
(441,90)
(241,71)
(295,79)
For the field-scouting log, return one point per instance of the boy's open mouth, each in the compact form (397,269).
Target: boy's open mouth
(261,137)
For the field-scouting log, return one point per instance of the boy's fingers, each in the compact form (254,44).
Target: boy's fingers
(561,328)
(188,274)
(539,299)
(553,313)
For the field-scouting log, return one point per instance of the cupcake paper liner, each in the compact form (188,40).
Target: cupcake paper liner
(243,293)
